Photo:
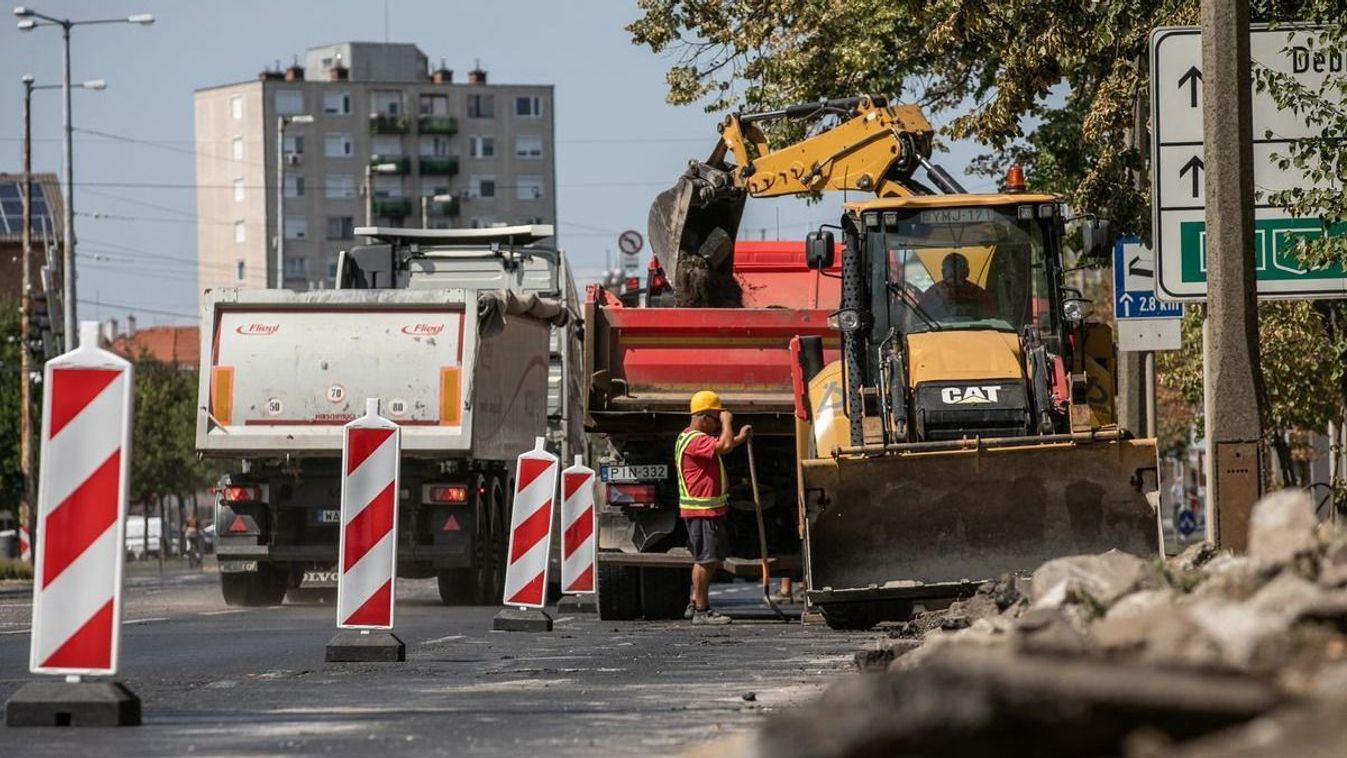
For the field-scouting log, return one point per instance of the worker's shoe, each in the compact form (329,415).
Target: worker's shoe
(691,609)
(781,597)
(709,617)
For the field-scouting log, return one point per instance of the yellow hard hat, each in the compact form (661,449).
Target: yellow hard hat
(706,400)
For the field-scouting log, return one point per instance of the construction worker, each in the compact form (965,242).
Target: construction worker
(702,494)
(955,296)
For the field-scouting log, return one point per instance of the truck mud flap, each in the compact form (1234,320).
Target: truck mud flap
(909,521)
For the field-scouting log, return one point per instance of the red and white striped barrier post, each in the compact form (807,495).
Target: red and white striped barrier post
(368,549)
(81,513)
(577,529)
(530,543)
(25,547)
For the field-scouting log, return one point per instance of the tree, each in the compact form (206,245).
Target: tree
(11,474)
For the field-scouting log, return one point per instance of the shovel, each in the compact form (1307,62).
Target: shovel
(762,536)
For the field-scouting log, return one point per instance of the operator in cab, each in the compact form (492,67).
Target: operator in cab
(954,296)
(703,495)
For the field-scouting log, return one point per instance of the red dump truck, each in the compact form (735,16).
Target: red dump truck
(643,363)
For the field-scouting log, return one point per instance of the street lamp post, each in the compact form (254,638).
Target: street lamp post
(426,200)
(370,170)
(31,19)
(281,123)
(25,296)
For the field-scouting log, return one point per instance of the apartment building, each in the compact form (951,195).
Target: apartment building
(368,133)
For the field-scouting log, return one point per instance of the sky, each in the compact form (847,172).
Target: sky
(618,142)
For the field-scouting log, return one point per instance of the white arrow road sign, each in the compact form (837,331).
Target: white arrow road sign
(1178,163)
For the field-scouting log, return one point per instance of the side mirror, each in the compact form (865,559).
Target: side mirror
(1096,236)
(818,250)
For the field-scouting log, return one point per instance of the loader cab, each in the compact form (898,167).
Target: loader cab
(962,263)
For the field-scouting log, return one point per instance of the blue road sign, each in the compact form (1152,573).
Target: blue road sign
(1186,522)
(1134,283)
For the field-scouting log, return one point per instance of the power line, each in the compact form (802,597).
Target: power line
(156,312)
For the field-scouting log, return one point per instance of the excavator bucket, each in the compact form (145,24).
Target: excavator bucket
(898,526)
(697,216)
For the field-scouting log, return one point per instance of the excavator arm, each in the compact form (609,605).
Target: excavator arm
(875,148)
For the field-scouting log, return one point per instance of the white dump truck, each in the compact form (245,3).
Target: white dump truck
(459,333)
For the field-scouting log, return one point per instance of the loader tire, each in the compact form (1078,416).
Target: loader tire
(619,593)
(664,593)
(849,616)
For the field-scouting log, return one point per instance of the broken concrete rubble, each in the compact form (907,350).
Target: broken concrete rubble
(1114,654)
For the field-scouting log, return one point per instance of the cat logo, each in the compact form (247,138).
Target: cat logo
(970,395)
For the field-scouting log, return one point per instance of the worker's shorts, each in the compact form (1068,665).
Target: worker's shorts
(708,539)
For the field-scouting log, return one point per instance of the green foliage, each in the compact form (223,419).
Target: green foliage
(14,569)
(11,480)
(163,458)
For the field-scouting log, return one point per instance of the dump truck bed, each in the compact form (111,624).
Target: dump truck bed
(283,371)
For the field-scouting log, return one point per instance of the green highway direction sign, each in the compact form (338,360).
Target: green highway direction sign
(1177,183)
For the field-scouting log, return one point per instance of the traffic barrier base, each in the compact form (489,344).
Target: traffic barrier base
(522,620)
(65,703)
(578,604)
(366,646)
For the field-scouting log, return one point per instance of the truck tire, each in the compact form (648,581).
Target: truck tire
(457,586)
(265,587)
(848,616)
(493,541)
(664,593)
(619,593)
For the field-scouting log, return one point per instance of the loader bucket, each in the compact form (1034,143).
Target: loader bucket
(934,523)
(684,219)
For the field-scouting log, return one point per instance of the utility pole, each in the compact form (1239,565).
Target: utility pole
(27,515)
(1233,382)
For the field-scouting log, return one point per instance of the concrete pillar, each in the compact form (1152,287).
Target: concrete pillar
(1231,329)
(1132,392)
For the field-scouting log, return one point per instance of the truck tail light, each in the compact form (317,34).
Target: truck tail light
(238,493)
(446,493)
(632,494)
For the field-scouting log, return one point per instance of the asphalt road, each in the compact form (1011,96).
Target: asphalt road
(243,682)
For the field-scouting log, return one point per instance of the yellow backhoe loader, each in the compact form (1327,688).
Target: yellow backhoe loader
(969,428)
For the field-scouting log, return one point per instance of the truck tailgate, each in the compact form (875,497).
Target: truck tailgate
(651,360)
(283,371)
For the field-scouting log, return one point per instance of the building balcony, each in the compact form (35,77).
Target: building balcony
(384,124)
(439,165)
(438,125)
(403,163)
(450,208)
(392,207)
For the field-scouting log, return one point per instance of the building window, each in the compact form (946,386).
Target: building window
(339,186)
(295,268)
(240,233)
(337,145)
(289,102)
(434,105)
(482,222)
(239,270)
(236,148)
(389,145)
(332,268)
(238,190)
(294,185)
(530,106)
(296,227)
(337,102)
(387,186)
(429,188)
(528,147)
(236,107)
(294,145)
(481,106)
(340,227)
(436,146)
(482,147)
(387,102)
(529,188)
(482,186)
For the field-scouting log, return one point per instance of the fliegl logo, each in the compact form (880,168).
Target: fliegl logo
(257,330)
(422,330)
(970,395)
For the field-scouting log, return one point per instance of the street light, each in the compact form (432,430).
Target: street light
(370,170)
(426,200)
(281,123)
(31,19)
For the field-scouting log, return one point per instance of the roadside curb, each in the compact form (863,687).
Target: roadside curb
(15,587)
